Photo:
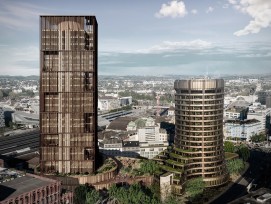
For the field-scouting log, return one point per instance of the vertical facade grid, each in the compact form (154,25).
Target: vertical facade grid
(68,94)
(199,107)
(198,143)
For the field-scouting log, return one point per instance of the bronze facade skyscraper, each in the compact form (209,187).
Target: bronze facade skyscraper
(68,94)
(199,128)
(198,143)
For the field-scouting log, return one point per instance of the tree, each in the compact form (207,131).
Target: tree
(148,167)
(80,193)
(258,138)
(235,166)
(194,187)
(243,152)
(1,94)
(92,196)
(112,191)
(171,199)
(134,194)
(229,147)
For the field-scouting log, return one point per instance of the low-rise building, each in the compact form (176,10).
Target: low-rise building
(263,115)
(171,111)
(124,101)
(106,103)
(236,112)
(242,129)
(150,150)
(18,187)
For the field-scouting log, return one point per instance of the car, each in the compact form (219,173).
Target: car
(263,198)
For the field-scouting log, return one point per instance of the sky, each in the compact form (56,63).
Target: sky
(149,37)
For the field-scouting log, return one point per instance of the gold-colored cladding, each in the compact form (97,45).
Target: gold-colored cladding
(68,94)
(199,128)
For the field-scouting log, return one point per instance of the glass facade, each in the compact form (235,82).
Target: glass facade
(68,94)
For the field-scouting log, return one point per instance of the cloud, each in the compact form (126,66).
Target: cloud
(23,60)
(257,55)
(168,46)
(172,9)
(259,10)
(194,11)
(225,6)
(19,15)
(232,1)
(209,9)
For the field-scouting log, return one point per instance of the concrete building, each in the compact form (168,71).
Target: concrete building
(240,102)
(242,129)
(236,113)
(68,94)
(268,102)
(18,187)
(25,119)
(150,150)
(263,115)
(124,101)
(107,103)
(116,147)
(264,97)
(171,111)
(198,143)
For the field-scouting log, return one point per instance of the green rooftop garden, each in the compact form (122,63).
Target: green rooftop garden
(173,162)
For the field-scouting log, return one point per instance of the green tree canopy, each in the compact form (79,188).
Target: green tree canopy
(229,146)
(194,187)
(258,138)
(235,166)
(1,94)
(80,194)
(135,194)
(149,167)
(92,196)
(243,152)
(171,199)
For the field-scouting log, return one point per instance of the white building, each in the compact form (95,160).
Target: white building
(108,103)
(260,114)
(150,150)
(125,101)
(242,129)
(171,111)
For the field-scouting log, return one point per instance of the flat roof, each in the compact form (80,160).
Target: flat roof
(20,185)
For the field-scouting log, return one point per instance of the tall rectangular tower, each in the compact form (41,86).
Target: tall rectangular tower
(68,94)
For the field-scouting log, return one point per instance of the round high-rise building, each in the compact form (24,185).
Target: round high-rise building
(199,129)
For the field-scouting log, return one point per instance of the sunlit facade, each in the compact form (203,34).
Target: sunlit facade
(68,94)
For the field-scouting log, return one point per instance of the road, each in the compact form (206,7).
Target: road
(27,139)
(257,171)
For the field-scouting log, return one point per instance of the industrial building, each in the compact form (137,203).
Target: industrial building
(18,187)
(68,94)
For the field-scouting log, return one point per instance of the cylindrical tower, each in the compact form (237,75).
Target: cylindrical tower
(199,128)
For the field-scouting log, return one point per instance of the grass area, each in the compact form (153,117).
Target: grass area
(177,156)
(172,162)
(170,169)
(183,150)
(108,165)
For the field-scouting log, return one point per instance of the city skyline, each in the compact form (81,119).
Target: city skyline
(150,38)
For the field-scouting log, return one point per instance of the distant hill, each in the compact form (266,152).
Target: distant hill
(31,77)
